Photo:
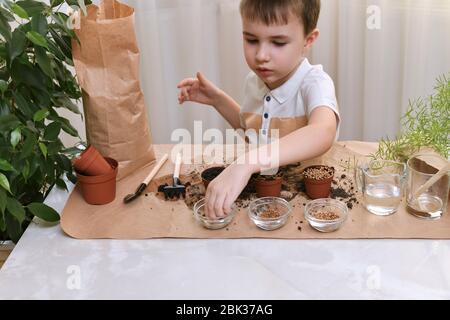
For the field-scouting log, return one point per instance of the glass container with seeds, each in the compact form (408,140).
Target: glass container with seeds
(326,215)
(269,213)
(212,223)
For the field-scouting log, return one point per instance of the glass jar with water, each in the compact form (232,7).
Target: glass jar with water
(381,184)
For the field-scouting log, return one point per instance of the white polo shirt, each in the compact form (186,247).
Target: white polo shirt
(288,107)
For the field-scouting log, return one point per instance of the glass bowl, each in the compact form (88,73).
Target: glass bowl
(269,213)
(209,223)
(326,215)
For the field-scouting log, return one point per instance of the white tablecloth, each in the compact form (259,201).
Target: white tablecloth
(47,264)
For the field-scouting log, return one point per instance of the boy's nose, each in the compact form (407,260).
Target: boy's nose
(262,55)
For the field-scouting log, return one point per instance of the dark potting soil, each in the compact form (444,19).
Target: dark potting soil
(343,187)
(211,173)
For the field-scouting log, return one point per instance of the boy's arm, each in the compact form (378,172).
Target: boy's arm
(229,109)
(305,143)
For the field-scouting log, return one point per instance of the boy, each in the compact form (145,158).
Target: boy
(282,92)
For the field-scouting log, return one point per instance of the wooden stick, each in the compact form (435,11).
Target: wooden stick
(156,169)
(433,179)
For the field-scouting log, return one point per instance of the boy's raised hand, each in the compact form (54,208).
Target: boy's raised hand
(198,89)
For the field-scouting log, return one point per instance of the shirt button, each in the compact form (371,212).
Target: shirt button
(268,98)
(266,115)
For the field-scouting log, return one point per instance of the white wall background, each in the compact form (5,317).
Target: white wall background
(375,71)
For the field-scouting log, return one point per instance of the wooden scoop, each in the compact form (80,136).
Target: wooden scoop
(432,180)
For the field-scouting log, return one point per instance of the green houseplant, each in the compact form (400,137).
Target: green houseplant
(426,124)
(35,80)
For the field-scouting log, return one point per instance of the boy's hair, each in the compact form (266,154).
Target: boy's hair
(277,11)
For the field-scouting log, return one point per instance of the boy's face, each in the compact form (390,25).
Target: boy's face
(274,51)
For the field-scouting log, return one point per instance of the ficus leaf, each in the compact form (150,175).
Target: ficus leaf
(4,183)
(13,227)
(3,86)
(43,211)
(52,131)
(5,165)
(44,61)
(40,115)
(43,149)
(17,45)
(39,24)
(16,209)
(16,135)
(18,10)
(2,200)
(32,7)
(37,39)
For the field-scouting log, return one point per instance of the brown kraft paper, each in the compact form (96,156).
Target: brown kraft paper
(107,67)
(150,216)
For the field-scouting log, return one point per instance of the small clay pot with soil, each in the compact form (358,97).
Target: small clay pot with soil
(268,185)
(91,163)
(99,189)
(318,181)
(209,174)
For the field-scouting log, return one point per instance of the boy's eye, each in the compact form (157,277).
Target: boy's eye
(279,44)
(251,41)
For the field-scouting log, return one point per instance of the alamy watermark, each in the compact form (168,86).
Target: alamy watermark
(373,21)
(211,146)
(73,281)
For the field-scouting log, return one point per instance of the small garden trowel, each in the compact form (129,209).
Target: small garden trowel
(130,197)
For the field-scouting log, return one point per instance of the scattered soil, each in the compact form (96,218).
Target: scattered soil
(342,188)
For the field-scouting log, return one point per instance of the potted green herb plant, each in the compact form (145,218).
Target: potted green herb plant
(35,81)
(425,124)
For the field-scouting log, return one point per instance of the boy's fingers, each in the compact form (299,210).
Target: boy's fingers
(186,82)
(227,204)
(209,203)
(201,77)
(185,93)
(218,205)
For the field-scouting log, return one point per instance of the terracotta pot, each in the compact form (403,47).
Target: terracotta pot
(316,189)
(91,163)
(268,188)
(100,189)
(209,174)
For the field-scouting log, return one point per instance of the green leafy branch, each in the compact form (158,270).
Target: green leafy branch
(426,123)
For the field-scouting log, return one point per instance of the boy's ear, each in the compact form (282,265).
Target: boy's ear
(311,37)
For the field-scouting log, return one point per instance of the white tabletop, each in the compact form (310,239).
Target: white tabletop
(47,264)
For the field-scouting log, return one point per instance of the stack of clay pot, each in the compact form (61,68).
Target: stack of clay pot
(96,176)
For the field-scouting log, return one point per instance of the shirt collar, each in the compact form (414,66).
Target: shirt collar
(290,87)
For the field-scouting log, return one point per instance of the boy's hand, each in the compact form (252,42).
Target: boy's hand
(199,90)
(225,188)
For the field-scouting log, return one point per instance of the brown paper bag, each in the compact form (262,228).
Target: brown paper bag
(107,66)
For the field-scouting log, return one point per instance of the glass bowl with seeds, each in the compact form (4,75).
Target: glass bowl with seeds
(269,213)
(210,223)
(325,214)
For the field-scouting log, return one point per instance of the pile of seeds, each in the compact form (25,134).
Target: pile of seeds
(270,213)
(319,173)
(325,214)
